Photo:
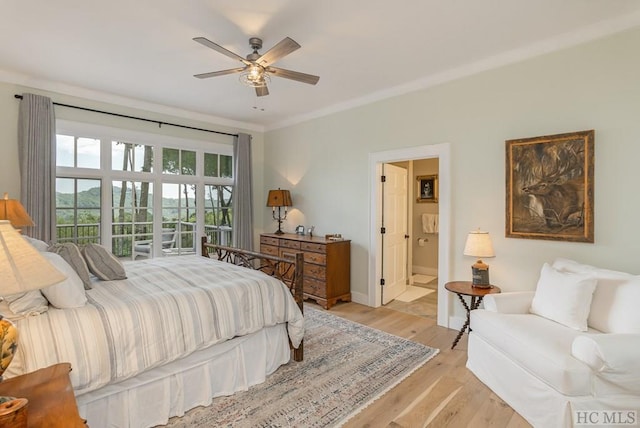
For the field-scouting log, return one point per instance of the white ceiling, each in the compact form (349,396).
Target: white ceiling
(140,52)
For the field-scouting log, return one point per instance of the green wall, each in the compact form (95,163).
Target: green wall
(325,161)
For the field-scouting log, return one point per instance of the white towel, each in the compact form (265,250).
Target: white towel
(430,223)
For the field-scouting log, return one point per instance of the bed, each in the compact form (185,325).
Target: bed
(176,333)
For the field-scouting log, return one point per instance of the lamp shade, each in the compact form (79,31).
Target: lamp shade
(22,268)
(279,198)
(479,245)
(12,210)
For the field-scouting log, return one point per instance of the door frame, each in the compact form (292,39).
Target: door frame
(443,153)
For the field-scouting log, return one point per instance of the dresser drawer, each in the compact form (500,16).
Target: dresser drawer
(268,249)
(269,241)
(314,287)
(316,258)
(316,248)
(315,271)
(285,243)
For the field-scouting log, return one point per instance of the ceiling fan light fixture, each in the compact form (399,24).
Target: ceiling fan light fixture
(254,76)
(258,68)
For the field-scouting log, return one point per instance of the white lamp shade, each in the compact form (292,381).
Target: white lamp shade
(479,245)
(22,268)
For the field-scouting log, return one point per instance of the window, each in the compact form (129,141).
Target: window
(179,216)
(131,157)
(78,152)
(176,161)
(132,219)
(78,210)
(142,195)
(218,165)
(218,214)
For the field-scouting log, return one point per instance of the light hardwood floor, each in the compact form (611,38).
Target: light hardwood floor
(442,393)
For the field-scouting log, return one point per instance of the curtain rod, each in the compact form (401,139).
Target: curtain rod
(138,118)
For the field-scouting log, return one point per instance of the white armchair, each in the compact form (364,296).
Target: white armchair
(145,247)
(552,373)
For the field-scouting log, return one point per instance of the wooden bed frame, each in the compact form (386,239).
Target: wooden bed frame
(289,271)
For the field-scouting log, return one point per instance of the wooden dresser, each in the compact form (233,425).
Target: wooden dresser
(327,264)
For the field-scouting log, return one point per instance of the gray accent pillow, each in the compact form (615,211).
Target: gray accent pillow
(72,255)
(102,263)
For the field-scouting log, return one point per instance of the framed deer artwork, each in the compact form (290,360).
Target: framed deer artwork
(550,187)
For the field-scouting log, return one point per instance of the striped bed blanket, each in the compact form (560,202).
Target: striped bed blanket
(168,308)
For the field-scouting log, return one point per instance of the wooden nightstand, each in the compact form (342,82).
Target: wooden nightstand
(52,403)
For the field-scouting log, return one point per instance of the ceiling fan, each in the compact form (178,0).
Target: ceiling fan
(258,68)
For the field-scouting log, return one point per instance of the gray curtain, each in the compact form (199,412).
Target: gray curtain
(242,193)
(37,155)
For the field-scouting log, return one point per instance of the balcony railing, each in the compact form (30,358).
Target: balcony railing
(122,245)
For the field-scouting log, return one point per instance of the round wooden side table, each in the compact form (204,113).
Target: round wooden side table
(465,288)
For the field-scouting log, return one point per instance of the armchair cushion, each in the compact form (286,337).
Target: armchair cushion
(564,297)
(614,357)
(539,344)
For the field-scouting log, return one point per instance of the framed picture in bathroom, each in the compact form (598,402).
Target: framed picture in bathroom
(427,188)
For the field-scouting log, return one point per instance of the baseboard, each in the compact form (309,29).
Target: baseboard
(456,323)
(361,298)
(423,270)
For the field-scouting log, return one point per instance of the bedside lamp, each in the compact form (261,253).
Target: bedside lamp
(479,245)
(22,269)
(12,210)
(279,198)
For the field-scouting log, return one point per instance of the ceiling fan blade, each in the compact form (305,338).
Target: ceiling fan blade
(216,47)
(261,91)
(218,73)
(293,75)
(285,47)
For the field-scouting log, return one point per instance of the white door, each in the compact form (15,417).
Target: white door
(394,247)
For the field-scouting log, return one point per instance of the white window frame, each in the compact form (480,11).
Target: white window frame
(108,134)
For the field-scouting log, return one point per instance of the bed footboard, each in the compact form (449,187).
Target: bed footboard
(287,270)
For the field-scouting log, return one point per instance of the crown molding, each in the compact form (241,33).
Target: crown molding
(553,44)
(93,95)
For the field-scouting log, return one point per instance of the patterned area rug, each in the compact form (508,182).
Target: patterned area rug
(346,367)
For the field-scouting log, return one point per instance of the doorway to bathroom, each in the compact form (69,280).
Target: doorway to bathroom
(425,269)
(419,296)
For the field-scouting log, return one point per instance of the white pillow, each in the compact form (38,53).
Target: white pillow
(564,297)
(38,244)
(25,304)
(614,304)
(68,293)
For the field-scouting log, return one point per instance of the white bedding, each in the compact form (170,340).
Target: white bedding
(166,309)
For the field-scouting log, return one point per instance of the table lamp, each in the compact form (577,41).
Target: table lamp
(22,269)
(12,210)
(279,198)
(479,245)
